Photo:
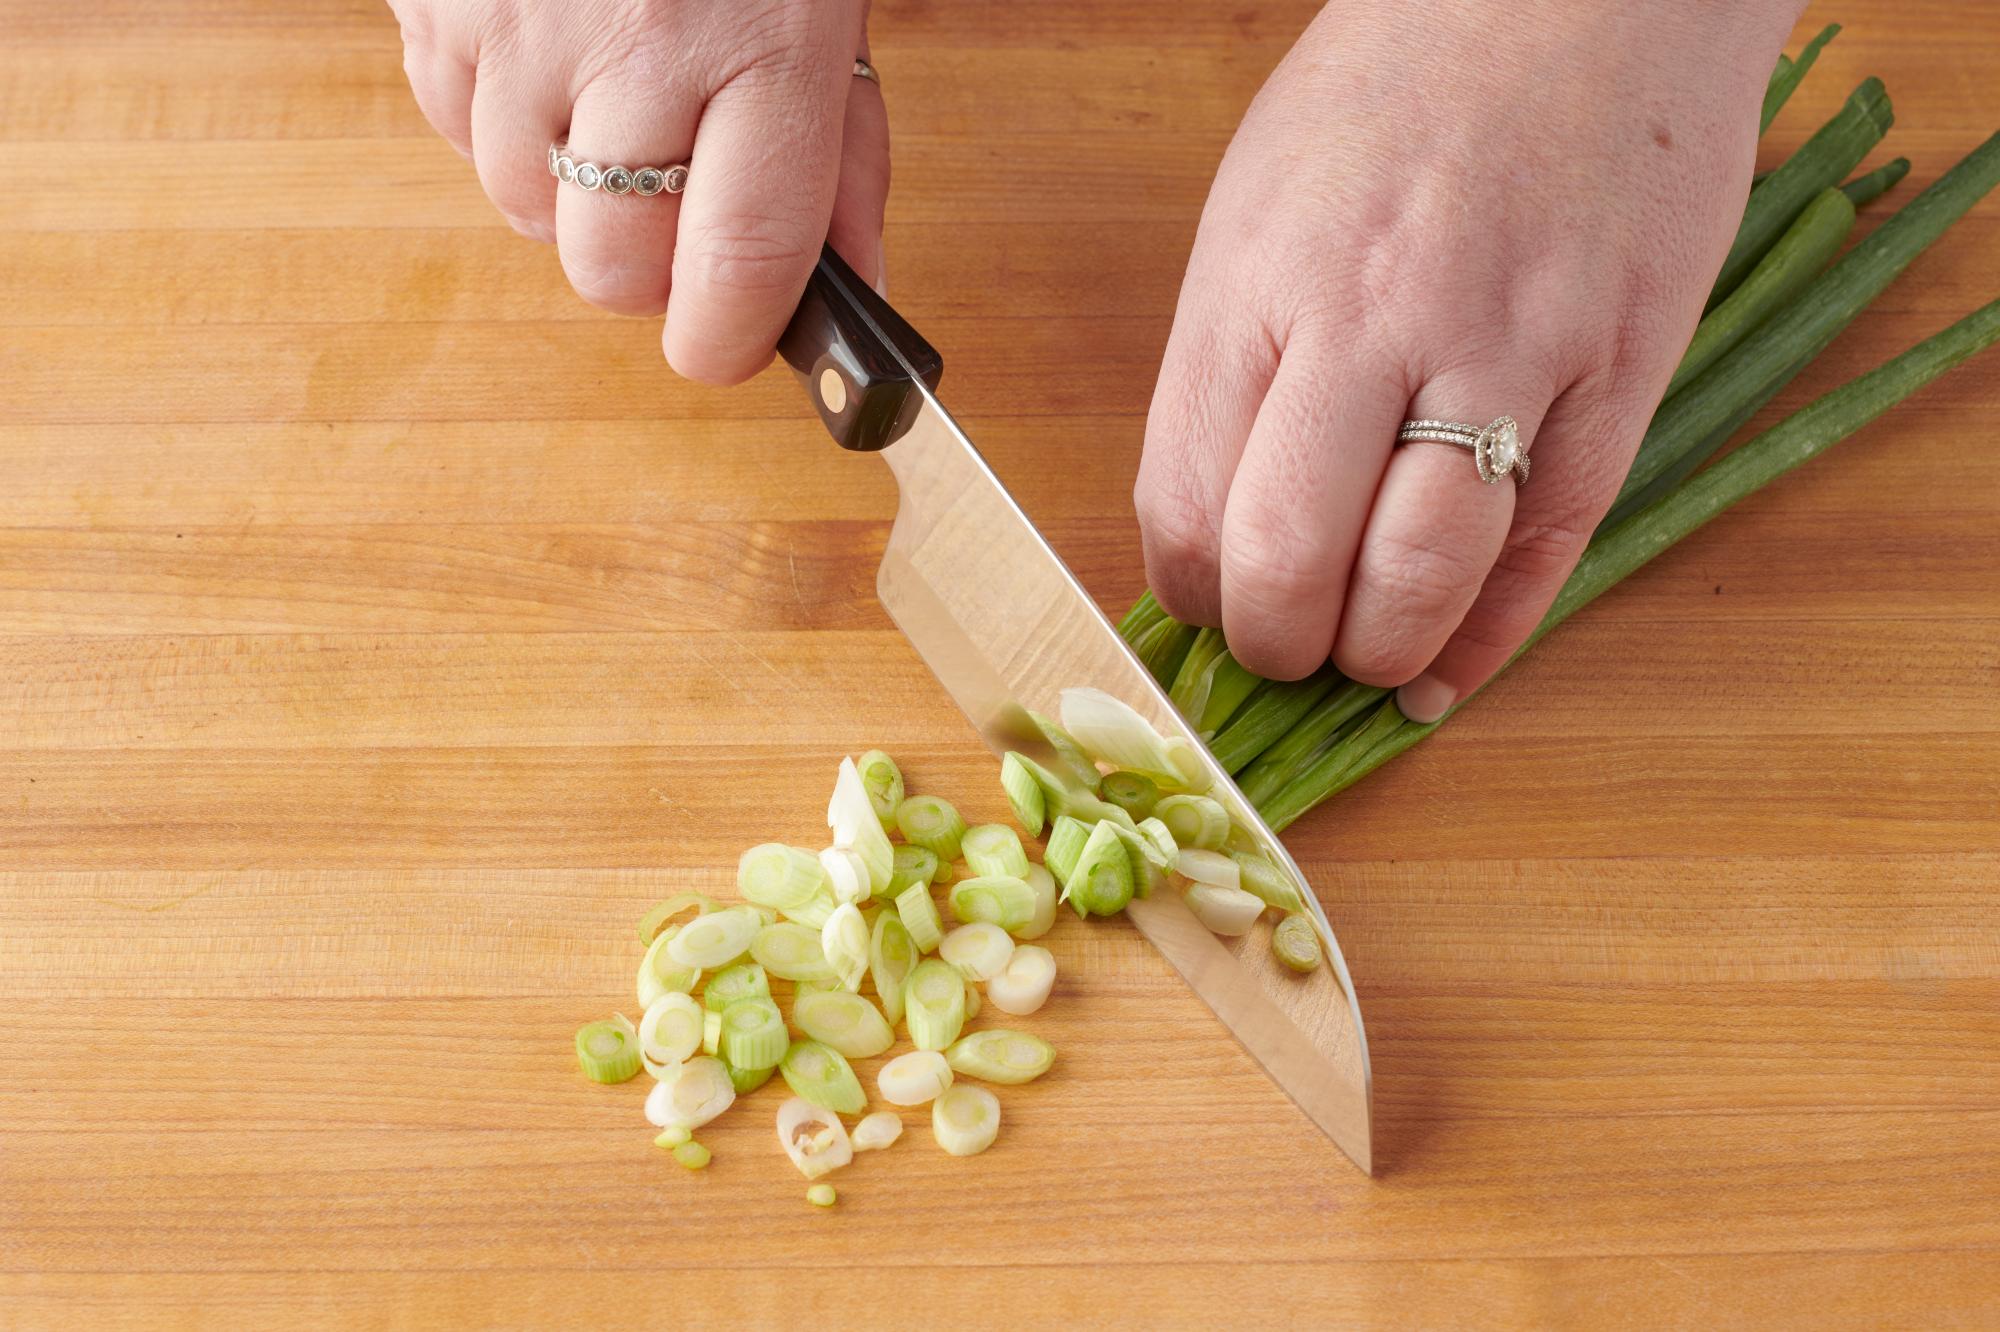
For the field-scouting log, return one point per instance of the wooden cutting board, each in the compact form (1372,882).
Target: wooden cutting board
(382,631)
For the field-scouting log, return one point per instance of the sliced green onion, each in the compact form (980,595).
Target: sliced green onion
(973,1000)
(1024,794)
(690,1094)
(745,980)
(816,909)
(914,865)
(692,1155)
(1043,885)
(823,1076)
(934,1004)
(1133,792)
(843,940)
(1260,876)
(1296,943)
(753,1033)
(914,1078)
(965,1119)
(659,973)
(606,1052)
(996,899)
(978,951)
(1066,841)
(822,1195)
(1024,986)
(1101,882)
(1210,867)
(919,915)
(716,939)
(747,1080)
(1000,1055)
(994,848)
(813,1137)
(883,781)
(1078,768)
(847,874)
(877,1131)
(933,824)
(792,952)
(1226,911)
(711,1031)
(671,1029)
(671,1138)
(778,876)
(1150,865)
(1114,733)
(852,817)
(842,1021)
(1162,838)
(1195,821)
(892,955)
(656,919)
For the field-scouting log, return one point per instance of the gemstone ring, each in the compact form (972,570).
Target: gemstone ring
(1497,450)
(646,181)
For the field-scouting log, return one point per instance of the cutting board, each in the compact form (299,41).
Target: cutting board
(382,631)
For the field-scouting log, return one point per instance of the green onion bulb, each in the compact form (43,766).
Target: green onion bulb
(994,849)
(934,1004)
(1210,867)
(883,781)
(1000,1055)
(978,951)
(690,1095)
(1067,837)
(965,1120)
(671,1029)
(1226,911)
(792,952)
(1133,792)
(753,1034)
(656,919)
(692,1155)
(745,980)
(778,876)
(913,865)
(823,1076)
(1024,986)
(1195,821)
(1043,885)
(877,1131)
(1296,943)
(813,1137)
(843,940)
(715,939)
(822,1195)
(845,1022)
(996,899)
(914,1078)
(933,824)
(659,973)
(919,915)
(891,958)
(606,1052)
(1024,793)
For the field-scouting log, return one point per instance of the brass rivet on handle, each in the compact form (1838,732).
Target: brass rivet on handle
(833,390)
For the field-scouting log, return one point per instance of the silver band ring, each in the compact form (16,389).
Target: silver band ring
(864,70)
(646,181)
(1497,450)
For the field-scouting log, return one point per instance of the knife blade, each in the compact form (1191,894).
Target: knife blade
(1006,627)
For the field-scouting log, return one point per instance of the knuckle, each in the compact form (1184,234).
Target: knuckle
(1544,552)
(620,286)
(748,255)
(1180,532)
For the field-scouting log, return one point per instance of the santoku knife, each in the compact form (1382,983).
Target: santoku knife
(1006,627)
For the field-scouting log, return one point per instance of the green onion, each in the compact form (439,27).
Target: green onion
(1133,792)
(1268,715)
(1260,876)
(1072,764)
(919,915)
(753,1033)
(711,1031)
(933,824)
(972,1001)
(1296,943)
(848,876)
(997,899)
(813,1137)
(1066,840)
(715,939)
(778,876)
(1002,1056)
(934,1004)
(1825,159)
(843,940)
(841,1021)
(892,955)
(1211,684)
(1024,986)
(747,1080)
(977,951)
(1043,885)
(606,1052)
(813,913)
(823,1076)
(883,781)
(692,1155)
(1024,793)
(671,1030)
(877,1131)
(1149,863)
(1225,910)
(1145,611)
(1162,647)
(994,848)
(659,973)
(965,1120)
(671,1138)
(914,1078)
(792,952)
(1804,251)
(850,813)
(1334,768)
(745,980)
(1101,882)
(1322,726)
(689,1095)
(1866,189)
(656,919)
(822,1195)
(1790,74)
(1116,735)
(1194,821)
(914,865)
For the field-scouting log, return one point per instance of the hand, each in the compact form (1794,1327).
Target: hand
(1461,209)
(759,97)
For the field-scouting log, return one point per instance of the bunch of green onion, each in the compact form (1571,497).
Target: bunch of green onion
(1779,300)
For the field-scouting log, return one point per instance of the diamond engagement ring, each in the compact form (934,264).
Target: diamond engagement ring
(1497,450)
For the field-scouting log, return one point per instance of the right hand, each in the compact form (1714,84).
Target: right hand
(786,148)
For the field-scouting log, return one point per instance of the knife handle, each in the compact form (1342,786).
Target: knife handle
(858,360)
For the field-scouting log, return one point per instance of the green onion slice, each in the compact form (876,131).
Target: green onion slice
(877,1131)
(996,899)
(843,941)
(919,915)
(1101,882)
(934,1004)
(914,1078)
(822,1195)
(1133,792)
(813,1137)
(1262,877)
(933,824)
(690,1094)
(1296,943)
(671,1138)
(855,824)
(965,1120)
(671,1029)
(656,919)
(816,909)
(892,956)
(745,980)
(711,1033)
(972,1000)
(823,1076)
(792,952)
(607,1052)
(845,1022)
(1066,839)
(1024,986)
(1000,1055)
(1210,867)
(659,973)
(778,876)
(847,874)
(883,781)
(747,1080)
(1226,911)
(913,865)
(1024,793)
(716,939)
(1043,885)
(1077,768)
(692,1155)
(978,951)
(994,848)
(753,1033)
(1194,821)
(1114,733)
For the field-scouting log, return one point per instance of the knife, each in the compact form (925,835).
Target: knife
(1006,628)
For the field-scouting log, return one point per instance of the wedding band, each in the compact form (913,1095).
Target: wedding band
(1497,450)
(647,180)
(864,70)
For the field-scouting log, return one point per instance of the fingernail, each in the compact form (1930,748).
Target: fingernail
(539,231)
(1425,699)
(881,270)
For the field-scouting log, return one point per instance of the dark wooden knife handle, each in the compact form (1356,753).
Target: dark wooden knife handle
(858,359)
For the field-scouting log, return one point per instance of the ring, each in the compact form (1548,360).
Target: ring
(864,70)
(648,180)
(1497,450)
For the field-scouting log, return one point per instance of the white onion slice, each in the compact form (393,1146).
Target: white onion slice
(1024,986)
(1227,911)
(877,1131)
(813,1137)
(913,1078)
(1209,867)
(690,1095)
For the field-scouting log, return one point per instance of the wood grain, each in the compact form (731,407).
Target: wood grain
(382,630)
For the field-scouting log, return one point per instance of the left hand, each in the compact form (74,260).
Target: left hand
(1461,209)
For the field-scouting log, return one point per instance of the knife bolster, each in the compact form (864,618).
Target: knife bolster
(859,361)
